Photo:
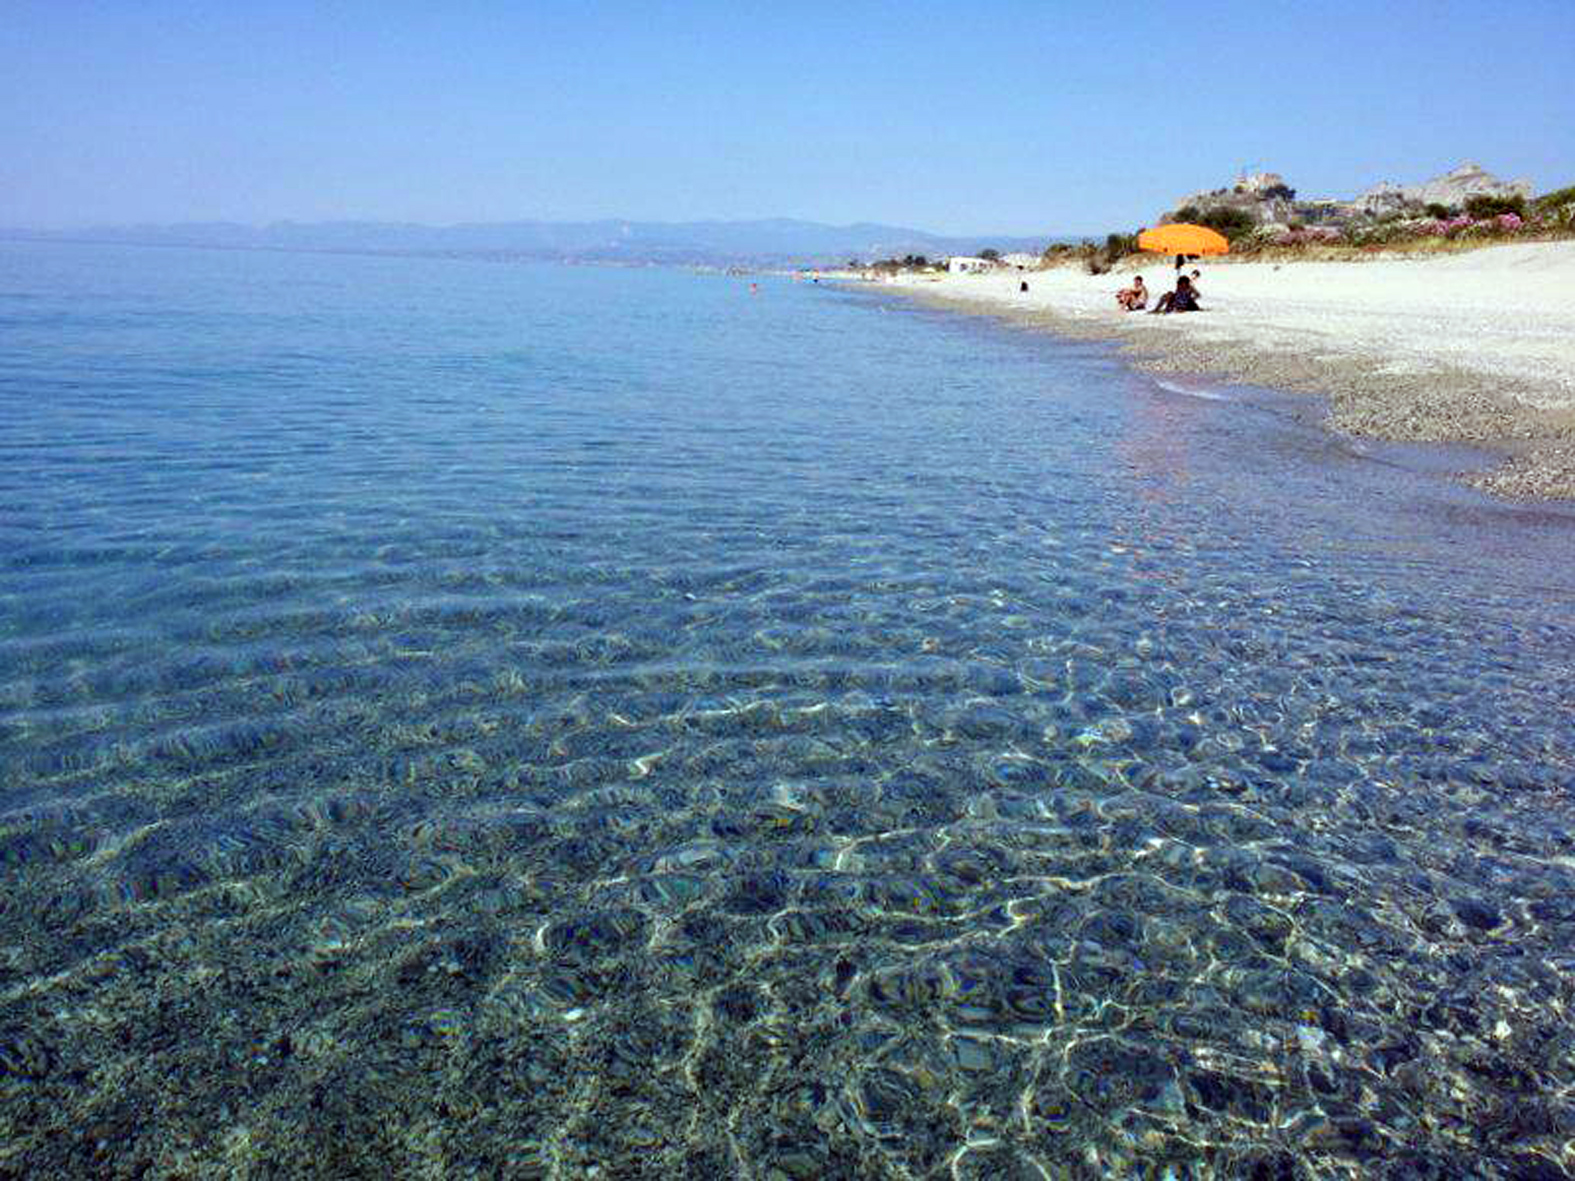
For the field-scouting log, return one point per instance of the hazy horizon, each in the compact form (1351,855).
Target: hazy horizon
(764,219)
(1013,120)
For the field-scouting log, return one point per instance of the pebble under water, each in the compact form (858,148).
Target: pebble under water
(472,720)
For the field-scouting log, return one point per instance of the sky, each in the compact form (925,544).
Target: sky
(964,117)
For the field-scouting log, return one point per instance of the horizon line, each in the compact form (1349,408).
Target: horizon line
(278,222)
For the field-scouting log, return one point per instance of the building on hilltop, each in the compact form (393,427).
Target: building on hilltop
(1258,198)
(1264,199)
(1266,186)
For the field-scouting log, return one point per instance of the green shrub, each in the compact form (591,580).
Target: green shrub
(1233,223)
(1189,213)
(1439,212)
(1256,238)
(1483,205)
(1557,207)
(1375,233)
(1557,199)
(1091,256)
(1118,246)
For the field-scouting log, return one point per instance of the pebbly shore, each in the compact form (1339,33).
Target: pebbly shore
(1474,348)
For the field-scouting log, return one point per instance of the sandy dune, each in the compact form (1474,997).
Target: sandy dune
(1476,346)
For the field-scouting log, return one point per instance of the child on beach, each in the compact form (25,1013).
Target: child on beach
(1133,298)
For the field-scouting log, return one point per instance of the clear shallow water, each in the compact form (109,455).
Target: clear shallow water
(461,719)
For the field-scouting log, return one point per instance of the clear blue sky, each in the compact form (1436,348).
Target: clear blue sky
(955,117)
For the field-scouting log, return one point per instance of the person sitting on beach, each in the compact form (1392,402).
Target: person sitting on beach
(1133,298)
(1183,299)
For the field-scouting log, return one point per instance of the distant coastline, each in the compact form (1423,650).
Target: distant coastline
(772,242)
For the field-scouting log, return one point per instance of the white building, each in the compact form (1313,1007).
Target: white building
(964,265)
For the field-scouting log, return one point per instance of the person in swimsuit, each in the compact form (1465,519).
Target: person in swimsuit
(1133,298)
(1183,299)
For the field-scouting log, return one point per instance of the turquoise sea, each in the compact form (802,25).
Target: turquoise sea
(461,719)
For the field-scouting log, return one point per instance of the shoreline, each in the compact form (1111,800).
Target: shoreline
(1473,348)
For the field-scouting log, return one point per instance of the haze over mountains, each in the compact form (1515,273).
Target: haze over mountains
(774,241)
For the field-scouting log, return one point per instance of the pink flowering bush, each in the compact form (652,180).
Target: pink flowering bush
(1378,233)
(1492,227)
(1445,227)
(1489,227)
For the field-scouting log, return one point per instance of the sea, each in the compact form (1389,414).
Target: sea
(467,719)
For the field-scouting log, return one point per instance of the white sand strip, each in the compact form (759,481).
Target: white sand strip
(1475,346)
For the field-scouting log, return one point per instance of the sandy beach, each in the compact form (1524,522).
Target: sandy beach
(1475,347)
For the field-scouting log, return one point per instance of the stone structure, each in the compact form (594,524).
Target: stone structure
(1263,196)
(1269,201)
(1452,190)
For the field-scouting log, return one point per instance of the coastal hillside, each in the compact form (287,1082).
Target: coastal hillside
(1260,214)
(1262,203)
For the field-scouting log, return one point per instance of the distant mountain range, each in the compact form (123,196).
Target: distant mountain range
(770,242)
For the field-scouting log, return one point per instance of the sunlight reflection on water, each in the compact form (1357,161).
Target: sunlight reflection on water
(522,719)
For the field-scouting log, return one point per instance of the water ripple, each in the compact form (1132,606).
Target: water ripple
(449,715)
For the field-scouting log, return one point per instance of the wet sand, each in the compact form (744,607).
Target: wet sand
(1473,347)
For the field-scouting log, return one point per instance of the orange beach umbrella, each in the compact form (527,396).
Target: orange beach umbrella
(1182,238)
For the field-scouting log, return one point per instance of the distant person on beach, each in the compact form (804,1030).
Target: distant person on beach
(1023,286)
(1183,299)
(1133,298)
